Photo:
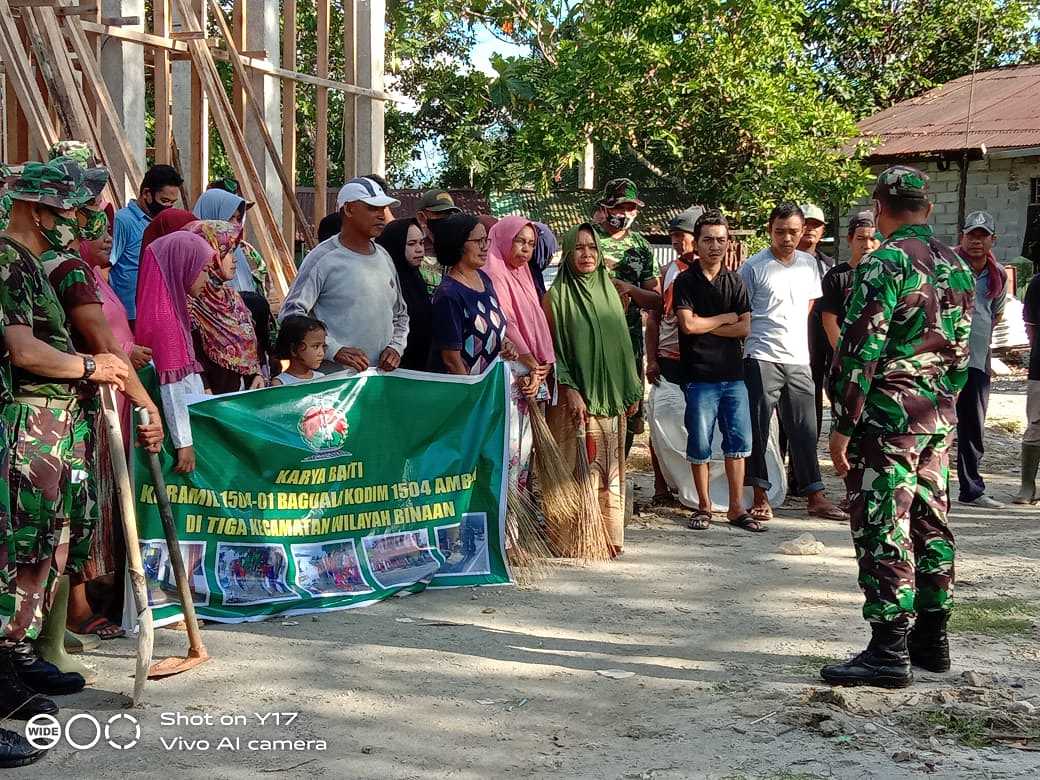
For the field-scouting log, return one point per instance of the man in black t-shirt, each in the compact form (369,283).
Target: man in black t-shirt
(837,283)
(714,314)
(1031,437)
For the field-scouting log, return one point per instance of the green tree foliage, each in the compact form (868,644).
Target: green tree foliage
(717,98)
(873,53)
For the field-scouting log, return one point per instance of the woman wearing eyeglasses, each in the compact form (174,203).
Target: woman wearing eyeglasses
(469,325)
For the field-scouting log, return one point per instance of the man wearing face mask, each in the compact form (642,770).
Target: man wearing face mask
(75,284)
(42,385)
(630,262)
(160,189)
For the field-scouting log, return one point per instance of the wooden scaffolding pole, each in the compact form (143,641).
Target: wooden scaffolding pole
(289,112)
(321,117)
(162,86)
(269,234)
(42,133)
(350,167)
(288,186)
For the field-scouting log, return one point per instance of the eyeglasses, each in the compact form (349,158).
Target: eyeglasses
(523,243)
(482,241)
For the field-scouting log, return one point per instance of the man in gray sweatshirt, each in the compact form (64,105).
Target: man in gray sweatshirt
(349,282)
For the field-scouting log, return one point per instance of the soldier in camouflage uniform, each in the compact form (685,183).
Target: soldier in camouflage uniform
(40,418)
(900,363)
(75,284)
(630,261)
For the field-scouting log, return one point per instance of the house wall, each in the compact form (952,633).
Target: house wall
(1000,186)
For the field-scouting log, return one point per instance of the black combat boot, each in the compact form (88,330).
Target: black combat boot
(928,643)
(15,750)
(885,663)
(17,700)
(43,676)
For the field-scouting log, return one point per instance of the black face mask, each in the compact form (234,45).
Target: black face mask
(620,221)
(155,208)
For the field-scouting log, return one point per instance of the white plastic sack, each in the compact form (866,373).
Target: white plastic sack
(666,412)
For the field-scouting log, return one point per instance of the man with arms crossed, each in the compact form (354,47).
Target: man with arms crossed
(712,308)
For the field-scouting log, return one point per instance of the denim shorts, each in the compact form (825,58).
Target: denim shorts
(722,402)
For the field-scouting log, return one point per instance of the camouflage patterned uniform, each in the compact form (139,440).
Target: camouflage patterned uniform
(45,427)
(902,360)
(631,260)
(7,563)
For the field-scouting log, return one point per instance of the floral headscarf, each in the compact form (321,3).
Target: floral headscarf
(222,236)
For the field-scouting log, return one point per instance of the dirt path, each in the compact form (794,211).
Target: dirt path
(722,636)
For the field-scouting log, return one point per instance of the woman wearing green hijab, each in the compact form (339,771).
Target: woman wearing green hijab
(595,368)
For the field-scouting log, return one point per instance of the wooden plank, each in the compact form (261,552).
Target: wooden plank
(350,167)
(162,86)
(198,151)
(118,147)
(68,95)
(321,116)
(179,50)
(239,15)
(41,132)
(254,105)
(268,235)
(289,113)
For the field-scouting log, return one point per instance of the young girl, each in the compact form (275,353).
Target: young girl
(301,341)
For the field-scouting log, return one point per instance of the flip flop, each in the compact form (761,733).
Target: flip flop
(748,522)
(760,514)
(101,627)
(663,499)
(700,521)
(833,513)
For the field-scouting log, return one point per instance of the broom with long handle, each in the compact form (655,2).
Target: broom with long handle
(138,585)
(561,499)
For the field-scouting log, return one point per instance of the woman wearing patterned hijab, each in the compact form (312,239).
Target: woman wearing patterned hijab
(222,326)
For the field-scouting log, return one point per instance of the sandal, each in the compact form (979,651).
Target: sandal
(663,499)
(761,514)
(830,513)
(701,520)
(748,522)
(100,626)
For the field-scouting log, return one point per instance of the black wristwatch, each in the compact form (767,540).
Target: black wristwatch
(89,367)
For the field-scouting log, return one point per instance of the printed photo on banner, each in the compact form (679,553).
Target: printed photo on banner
(400,559)
(253,573)
(464,546)
(329,569)
(158,572)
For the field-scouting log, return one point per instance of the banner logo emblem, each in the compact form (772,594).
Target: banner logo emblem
(323,428)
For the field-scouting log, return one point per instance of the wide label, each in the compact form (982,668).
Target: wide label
(333,494)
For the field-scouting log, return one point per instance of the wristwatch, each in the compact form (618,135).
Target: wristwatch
(89,367)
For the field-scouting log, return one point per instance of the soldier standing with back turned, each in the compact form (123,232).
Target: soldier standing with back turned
(900,363)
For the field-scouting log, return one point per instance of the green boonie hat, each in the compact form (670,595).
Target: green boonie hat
(437,201)
(54,184)
(95,179)
(73,167)
(618,191)
(77,150)
(902,181)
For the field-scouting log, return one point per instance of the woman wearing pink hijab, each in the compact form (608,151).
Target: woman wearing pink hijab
(174,270)
(512,243)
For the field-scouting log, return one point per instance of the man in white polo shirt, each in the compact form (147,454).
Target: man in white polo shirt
(783,283)
(349,282)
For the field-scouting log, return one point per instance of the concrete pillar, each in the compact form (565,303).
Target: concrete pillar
(262,32)
(587,172)
(371,32)
(122,67)
(190,122)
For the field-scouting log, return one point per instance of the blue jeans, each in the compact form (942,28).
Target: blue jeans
(725,402)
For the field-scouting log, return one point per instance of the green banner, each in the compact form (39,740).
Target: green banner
(333,494)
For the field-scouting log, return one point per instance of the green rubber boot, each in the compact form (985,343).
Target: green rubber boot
(80,643)
(51,644)
(1030,463)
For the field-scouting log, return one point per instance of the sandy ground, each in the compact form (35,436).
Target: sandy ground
(722,637)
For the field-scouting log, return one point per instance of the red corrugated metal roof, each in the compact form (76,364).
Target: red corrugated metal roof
(1005,114)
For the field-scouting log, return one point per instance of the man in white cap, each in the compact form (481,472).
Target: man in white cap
(349,282)
(976,248)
